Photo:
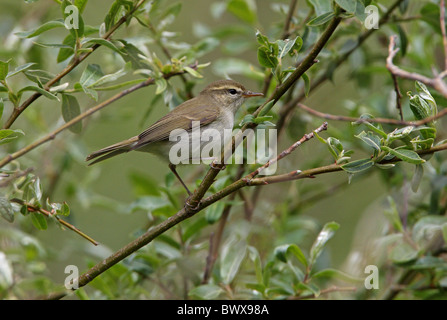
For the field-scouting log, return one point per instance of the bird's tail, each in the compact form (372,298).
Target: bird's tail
(111,151)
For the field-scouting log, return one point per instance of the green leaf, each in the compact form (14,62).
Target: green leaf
(68,50)
(423,105)
(267,107)
(103,42)
(6,210)
(243,9)
(91,75)
(63,209)
(214,212)
(256,258)
(112,76)
(80,4)
(41,29)
(194,229)
(393,215)
(334,146)
(2,105)
(281,252)
(111,15)
(285,46)
(370,139)
(6,135)
(43,92)
(335,274)
(132,55)
(21,68)
(148,203)
(231,258)
(70,110)
(403,40)
(322,19)
(426,95)
(427,229)
(364,121)
(266,58)
(323,237)
(403,253)
(249,118)
(39,76)
(417,177)
(321,6)
(4,67)
(262,39)
(39,220)
(37,188)
(192,72)
(405,155)
(306,84)
(206,292)
(358,166)
(349,5)
(73,19)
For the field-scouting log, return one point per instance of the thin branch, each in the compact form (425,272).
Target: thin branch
(286,30)
(74,63)
(33,208)
(288,151)
(436,83)
(443,31)
(15,176)
(80,117)
(398,96)
(328,116)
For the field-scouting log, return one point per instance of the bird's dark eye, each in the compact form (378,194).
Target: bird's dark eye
(232,91)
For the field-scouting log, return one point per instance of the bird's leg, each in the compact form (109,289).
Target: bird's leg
(172,167)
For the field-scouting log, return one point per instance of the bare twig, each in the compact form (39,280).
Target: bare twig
(436,83)
(398,96)
(33,208)
(288,151)
(15,176)
(374,120)
(443,31)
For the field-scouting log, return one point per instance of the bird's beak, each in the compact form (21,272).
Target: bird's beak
(248,94)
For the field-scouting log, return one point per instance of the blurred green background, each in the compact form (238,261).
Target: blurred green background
(93,191)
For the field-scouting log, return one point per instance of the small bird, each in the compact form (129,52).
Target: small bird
(213,108)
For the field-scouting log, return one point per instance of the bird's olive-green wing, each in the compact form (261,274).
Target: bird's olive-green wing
(181,117)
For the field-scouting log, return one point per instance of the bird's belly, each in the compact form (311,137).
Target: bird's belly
(200,145)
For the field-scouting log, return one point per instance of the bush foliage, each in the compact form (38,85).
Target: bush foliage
(371,224)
